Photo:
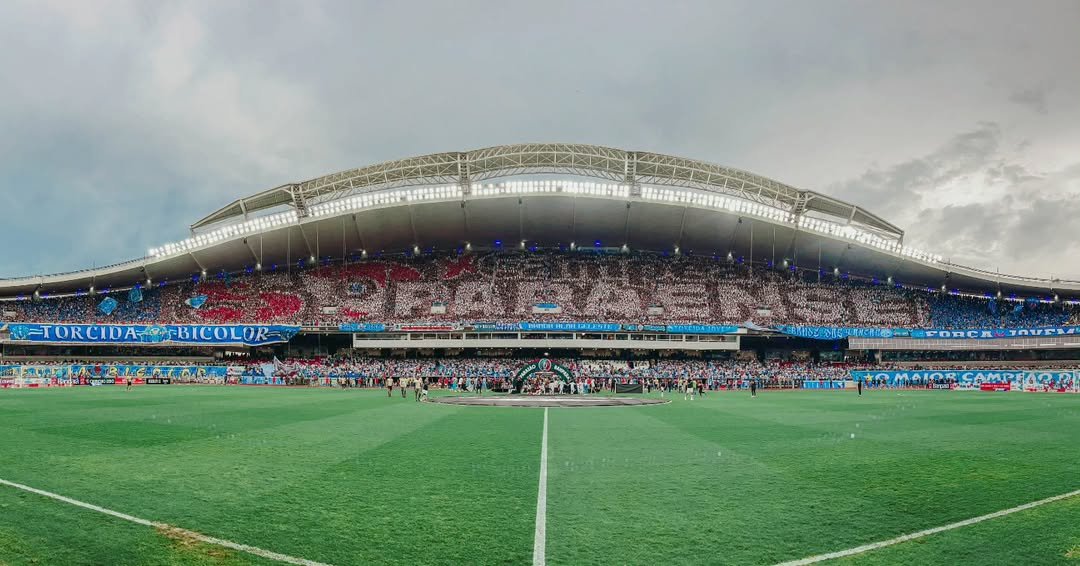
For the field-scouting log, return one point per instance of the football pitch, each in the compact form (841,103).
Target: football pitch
(353,477)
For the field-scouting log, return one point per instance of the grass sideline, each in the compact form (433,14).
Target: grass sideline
(348,477)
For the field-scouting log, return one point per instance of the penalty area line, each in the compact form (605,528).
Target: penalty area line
(540,537)
(145,522)
(927,532)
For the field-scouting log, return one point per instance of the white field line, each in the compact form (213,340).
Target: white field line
(927,532)
(192,534)
(540,538)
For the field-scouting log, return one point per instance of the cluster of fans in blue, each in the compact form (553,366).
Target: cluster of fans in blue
(956,312)
(118,307)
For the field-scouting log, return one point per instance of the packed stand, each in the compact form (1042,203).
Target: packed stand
(513,287)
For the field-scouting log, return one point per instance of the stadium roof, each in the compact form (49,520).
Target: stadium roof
(632,168)
(546,195)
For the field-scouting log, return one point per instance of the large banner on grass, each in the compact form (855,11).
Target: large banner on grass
(1019,379)
(128,370)
(195,334)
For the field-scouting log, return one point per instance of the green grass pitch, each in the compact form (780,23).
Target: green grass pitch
(352,477)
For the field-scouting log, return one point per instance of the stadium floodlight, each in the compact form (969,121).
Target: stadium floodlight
(258,266)
(91,291)
(468,246)
(311,259)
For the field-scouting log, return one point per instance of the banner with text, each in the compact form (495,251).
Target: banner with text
(193,334)
(1019,379)
(842,332)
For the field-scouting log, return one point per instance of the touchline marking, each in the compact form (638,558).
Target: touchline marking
(540,540)
(927,532)
(198,536)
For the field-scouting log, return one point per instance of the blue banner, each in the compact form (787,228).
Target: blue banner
(570,327)
(968,377)
(248,335)
(992,333)
(701,329)
(495,326)
(362,327)
(842,332)
(838,333)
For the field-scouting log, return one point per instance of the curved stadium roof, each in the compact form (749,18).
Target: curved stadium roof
(547,195)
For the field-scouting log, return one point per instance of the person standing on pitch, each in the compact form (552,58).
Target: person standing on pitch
(858,384)
(753,388)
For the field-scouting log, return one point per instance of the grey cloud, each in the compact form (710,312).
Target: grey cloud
(903,185)
(1032,98)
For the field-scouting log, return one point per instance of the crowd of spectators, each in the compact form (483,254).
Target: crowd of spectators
(506,287)
(477,374)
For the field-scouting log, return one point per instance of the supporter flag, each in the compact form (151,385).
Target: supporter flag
(107,306)
(992,306)
(135,295)
(196,302)
(1018,308)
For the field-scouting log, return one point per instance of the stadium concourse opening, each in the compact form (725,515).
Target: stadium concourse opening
(565,401)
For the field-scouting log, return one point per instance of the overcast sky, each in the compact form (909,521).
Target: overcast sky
(123,122)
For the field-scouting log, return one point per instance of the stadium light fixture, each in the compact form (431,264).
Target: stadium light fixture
(468,247)
(91,289)
(258,266)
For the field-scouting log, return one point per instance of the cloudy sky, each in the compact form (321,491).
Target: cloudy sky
(123,122)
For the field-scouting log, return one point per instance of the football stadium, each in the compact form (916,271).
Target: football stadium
(539,354)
